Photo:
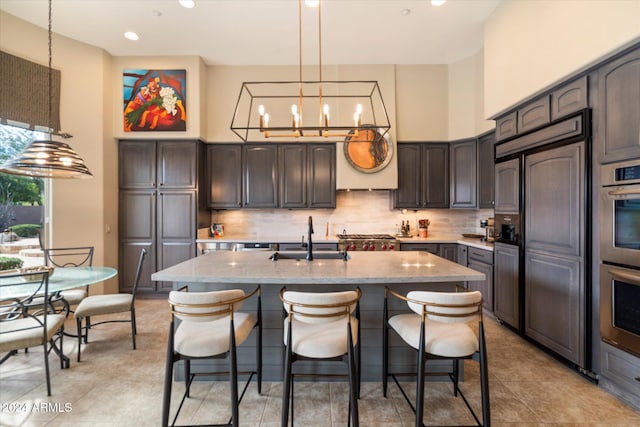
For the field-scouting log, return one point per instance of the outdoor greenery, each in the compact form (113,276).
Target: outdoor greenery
(26,230)
(9,263)
(14,189)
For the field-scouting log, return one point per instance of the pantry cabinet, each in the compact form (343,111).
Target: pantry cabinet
(159,207)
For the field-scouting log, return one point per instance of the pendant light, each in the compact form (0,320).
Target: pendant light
(48,158)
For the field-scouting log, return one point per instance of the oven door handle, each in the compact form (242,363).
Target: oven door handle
(625,192)
(625,276)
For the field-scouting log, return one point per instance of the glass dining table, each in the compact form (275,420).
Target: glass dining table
(62,279)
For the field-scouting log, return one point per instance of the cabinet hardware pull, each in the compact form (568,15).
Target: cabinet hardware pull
(623,275)
(624,192)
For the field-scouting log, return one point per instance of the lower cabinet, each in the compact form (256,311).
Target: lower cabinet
(482,261)
(619,373)
(448,251)
(506,284)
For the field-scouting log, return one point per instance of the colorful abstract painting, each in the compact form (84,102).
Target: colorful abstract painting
(155,100)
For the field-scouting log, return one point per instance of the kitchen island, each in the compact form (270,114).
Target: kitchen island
(371,271)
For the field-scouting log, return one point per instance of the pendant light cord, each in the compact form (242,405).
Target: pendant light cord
(50,77)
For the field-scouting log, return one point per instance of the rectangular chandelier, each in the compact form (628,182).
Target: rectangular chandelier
(328,110)
(308,109)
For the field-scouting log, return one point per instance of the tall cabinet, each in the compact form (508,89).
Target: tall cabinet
(159,207)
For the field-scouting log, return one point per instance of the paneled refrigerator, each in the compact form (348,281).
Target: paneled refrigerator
(543,285)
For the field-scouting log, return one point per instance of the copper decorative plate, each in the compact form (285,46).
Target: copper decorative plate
(369,151)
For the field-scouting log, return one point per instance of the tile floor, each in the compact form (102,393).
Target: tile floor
(117,386)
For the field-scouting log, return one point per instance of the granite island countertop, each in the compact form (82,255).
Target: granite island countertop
(228,267)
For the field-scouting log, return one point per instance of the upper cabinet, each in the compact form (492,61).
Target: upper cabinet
(507,190)
(562,101)
(486,171)
(166,164)
(224,176)
(616,108)
(464,170)
(259,176)
(423,176)
(271,175)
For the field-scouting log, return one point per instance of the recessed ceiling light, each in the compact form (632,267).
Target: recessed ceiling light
(187,3)
(438,2)
(131,35)
(405,12)
(312,3)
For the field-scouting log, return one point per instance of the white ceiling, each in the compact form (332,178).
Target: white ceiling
(265,32)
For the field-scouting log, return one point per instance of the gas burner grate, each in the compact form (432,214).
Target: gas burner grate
(365,237)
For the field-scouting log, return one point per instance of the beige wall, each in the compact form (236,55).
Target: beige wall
(530,45)
(79,212)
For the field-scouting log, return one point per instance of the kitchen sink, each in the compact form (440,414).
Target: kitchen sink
(297,256)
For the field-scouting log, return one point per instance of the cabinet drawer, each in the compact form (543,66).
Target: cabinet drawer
(621,368)
(429,247)
(480,255)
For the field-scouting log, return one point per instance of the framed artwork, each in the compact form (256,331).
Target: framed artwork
(154,100)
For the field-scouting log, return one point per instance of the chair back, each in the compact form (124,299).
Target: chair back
(446,307)
(21,297)
(205,306)
(319,307)
(136,280)
(69,257)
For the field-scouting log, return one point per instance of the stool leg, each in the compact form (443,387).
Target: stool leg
(353,380)
(133,327)
(456,376)
(187,375)
(168,379)
(79,327)
(385,353)
(484,379)
(233,377)
(286,381)
(420,379)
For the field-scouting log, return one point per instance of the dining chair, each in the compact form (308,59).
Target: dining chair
(321,326)
(81,256)
(209,325)
(27,319)
(440,326)
(107,304)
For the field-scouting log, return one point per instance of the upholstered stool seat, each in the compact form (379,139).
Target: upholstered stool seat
(439,326)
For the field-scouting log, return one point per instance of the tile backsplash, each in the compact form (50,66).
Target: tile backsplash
(355,212)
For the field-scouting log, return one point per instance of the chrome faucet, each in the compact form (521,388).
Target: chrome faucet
(309,241)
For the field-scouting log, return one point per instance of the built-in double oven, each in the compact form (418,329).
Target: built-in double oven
(620,255)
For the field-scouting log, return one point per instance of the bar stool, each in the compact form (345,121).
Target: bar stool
(321,325)
(439,328)
(211,327)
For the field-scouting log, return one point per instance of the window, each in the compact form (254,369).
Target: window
(22,201)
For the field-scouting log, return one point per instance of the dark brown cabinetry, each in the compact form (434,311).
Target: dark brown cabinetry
(224,176)
(158,207)
(464,174)
(534,114)
(507,184)
(486,172)
(423,176)
(271,176)
(482,261)
(260,176)
(616,108)
(569,98)
(507,126)
(506,293)
(307,176)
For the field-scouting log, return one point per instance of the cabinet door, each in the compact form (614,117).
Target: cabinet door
(506,284)
(448,251)
(486,171)
(293,176)
(534,114)
(137,164)
(321,176)
(616,109)
(484,286)
(507,126)
(260,173)
(464,179)
(137,224)
(435,176)
(409,162)
(177,164)
(224,173)
(507,183)
(570,98)
(462,256)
